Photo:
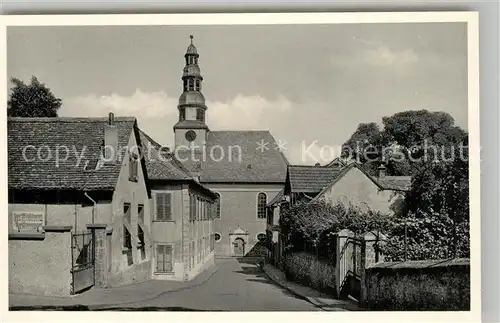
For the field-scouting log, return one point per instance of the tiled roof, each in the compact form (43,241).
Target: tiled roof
(82,136)
(397,183)
(311,179)
(240,157)
(336,162)
(161,164)
(277,198)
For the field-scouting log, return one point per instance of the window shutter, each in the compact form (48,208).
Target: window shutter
(160,252)
(168,258)
(163,206)
(168,206)
(159,206)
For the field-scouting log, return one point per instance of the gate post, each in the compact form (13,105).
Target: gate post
(342,237)
(99,253)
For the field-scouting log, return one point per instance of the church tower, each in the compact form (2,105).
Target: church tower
(191,130)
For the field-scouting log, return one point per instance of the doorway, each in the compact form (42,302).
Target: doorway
(239,247)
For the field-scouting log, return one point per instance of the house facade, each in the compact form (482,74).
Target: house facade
(63,184)
(100,207)
(246,169)
(337,182)
(183,212)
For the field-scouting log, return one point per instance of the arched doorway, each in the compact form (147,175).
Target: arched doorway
(239,247)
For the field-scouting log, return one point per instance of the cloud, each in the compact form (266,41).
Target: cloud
(384,56)
(378,56)
(156,112)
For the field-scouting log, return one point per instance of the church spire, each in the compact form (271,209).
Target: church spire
(191,102)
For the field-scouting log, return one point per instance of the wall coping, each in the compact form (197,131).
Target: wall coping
(96,226)
(421,264)
(57,228)
(27,236)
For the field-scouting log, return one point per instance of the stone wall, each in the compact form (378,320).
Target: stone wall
(40,264)
(418,285)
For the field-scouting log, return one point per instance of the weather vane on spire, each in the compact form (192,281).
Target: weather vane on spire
(191,36)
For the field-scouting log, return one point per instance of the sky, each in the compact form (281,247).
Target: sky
(310,85)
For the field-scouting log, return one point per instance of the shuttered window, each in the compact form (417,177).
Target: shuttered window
(163,206)
(164,258)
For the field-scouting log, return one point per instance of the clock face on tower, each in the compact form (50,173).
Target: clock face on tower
(190,135)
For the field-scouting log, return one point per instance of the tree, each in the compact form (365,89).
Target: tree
(32,100)
(408,141)
(434,220)
(364,146)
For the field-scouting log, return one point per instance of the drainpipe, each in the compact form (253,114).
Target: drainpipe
(93,207)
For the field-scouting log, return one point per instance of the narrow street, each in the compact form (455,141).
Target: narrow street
(236,286)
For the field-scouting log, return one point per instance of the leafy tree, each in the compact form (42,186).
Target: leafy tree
(434,220)
(32,100)
(365,146)
(408,141)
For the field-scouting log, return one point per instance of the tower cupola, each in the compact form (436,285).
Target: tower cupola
(191,128)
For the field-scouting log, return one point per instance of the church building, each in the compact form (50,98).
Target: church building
(246,168)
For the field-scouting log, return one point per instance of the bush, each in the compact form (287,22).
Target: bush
(307,270)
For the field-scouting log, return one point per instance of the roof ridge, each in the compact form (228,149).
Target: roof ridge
(70,119)
(240,131)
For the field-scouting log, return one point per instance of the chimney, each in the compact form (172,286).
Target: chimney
(110,139)
(381,171)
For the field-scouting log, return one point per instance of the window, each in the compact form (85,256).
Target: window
(141,246)
(192,208)
(198,209)
(261,205)
(127,239)
(200,115)
(163,206)
(197,85)
(190,85)
(217,206)
(164,258)
(185,85)
(126,212)
(140,212)
(182,115)
(133,168)
(261,236)
(217,236)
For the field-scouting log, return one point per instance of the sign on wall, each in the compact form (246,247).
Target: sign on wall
(27,221)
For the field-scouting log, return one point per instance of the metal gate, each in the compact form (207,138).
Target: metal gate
(351,266)
(83,261)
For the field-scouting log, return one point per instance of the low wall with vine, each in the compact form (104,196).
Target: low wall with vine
(418,285)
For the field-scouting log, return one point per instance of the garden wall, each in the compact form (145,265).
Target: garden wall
(308,270)
(418,285)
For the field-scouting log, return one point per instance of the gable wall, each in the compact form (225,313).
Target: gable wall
(135,193)
(357,189)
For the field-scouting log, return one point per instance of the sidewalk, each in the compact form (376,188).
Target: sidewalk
(110,297)
(323,301)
